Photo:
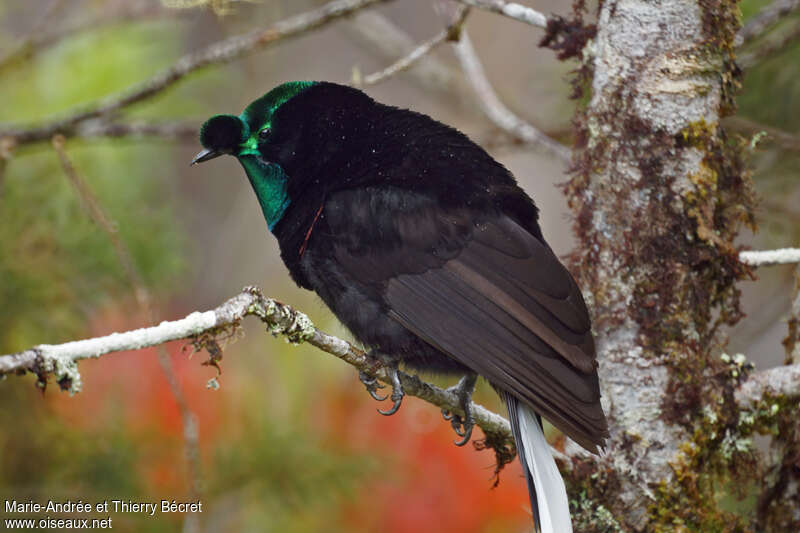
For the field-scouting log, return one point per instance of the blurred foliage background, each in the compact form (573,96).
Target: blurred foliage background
(290,442)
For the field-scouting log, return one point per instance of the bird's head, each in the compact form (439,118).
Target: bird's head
(305,139)
(249,137)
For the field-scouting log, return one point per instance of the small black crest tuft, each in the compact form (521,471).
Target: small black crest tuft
(223,133)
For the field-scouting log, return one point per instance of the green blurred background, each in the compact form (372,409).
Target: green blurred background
(290,442)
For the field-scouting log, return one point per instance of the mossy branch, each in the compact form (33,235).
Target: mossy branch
(778,382)
(61,359)
(202,328)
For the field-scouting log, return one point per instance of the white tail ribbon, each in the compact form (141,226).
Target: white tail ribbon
(550,491)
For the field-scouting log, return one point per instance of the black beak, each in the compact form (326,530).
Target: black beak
(205,155)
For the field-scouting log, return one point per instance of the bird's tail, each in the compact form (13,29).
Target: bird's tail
(549,501)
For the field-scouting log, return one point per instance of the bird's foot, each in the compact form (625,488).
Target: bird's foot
(368,377)
(372,385)
(462,426)
(371,382)
(397,391)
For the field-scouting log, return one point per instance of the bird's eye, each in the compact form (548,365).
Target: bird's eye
(263,134)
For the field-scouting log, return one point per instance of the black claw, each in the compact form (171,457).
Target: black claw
(467,436)
(394,408)
(467,423)
(397,393)
(377,396)
(464,391)
(372,385)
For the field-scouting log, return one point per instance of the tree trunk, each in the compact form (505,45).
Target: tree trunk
(659,193)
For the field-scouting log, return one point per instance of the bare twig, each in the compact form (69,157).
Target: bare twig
(32,36)
(765,19)
(215,54)
(184,132)
(784,139)
(281,319)
(407,61)
(782,256)
(497,112)
(384,37)
(769,48)
(96,212)
(512,10)
(179,131)
(781,381)
(48,35)
(99,215)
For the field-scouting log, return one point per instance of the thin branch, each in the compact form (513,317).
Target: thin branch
(92,206)
(770,48)
(512,10)
(449,33)
(281,319)
(178,131)
(48,35)
(782,256)
(784,139)
(497,112)
(99,215)
(20,51)
(182,132)
(218,53)
(781,381)
(765,19)
(382,36)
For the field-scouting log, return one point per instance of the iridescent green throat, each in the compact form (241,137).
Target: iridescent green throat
(269,181)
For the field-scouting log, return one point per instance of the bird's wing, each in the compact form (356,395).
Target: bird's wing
(495,298)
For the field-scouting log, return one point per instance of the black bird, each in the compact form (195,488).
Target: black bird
(430,254)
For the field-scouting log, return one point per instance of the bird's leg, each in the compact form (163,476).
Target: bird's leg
(397,388)
(464,390)
(372,385)
(369,380)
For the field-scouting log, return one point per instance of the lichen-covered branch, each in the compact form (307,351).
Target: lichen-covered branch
(214,54)
(495,109)
(202,328)
(61,359)
(781,256)
(779,382)
(512,10)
